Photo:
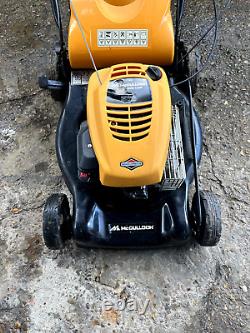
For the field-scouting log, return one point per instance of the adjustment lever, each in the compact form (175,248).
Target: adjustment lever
(45,83)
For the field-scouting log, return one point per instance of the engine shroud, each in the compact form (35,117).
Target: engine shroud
(129,119)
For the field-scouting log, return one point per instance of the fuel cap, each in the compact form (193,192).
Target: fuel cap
(154,73)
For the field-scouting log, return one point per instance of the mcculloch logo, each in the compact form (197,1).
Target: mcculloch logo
(117,228)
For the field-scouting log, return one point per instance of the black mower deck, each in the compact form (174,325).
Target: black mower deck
(103,216)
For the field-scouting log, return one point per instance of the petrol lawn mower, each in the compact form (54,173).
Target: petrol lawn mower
(129,140)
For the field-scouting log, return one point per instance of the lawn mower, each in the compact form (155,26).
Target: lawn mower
(129,141)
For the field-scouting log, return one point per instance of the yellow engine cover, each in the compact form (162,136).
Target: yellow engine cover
(129,119)
(121,31)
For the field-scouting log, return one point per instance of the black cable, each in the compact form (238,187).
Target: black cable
(55,12)
(206,33)
(180,10)
(179,16)
(58,20)
(215,26)
(210,53)
(198,42)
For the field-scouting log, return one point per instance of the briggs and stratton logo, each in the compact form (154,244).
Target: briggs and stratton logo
(120,228)
(131,164)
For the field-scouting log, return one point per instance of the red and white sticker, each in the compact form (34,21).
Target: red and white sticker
(131,164)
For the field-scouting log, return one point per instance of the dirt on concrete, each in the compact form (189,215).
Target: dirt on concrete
(177,290)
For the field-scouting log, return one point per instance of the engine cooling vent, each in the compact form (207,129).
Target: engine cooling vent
(130,123)
(127,70)
(175,172)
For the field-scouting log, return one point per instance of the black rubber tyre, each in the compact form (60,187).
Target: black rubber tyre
(188,66)
(55,73)
(194,64)
(57,226)
(209,232)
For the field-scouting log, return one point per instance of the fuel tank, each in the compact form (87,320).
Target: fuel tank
(120,31)
(129,119)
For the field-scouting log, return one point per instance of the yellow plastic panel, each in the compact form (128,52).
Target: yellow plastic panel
(116,16)
(137,131)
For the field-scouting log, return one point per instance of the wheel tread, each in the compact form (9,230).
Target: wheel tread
(210,231)
(56,221)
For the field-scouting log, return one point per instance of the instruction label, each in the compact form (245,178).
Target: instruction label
(80,78)
(122,38)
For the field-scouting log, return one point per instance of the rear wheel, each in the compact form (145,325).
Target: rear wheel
(208,231)
(56,221)
(194,64)
(188,65)
(55,72)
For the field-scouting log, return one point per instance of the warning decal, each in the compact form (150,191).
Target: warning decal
(122,38)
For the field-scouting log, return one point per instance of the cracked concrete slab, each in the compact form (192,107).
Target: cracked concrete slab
(190,289)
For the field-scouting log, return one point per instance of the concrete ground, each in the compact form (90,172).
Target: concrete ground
(175,290)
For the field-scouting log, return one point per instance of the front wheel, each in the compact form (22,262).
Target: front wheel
(57,226)
(207,231)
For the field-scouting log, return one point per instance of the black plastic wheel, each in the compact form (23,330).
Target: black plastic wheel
(56,221)
(188,66)
(208,233)
(55,73)
(194,64)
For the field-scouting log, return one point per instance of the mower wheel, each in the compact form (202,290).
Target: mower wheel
(55,73)
(207,233)
(189,65)
(194,64)
(56,221)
